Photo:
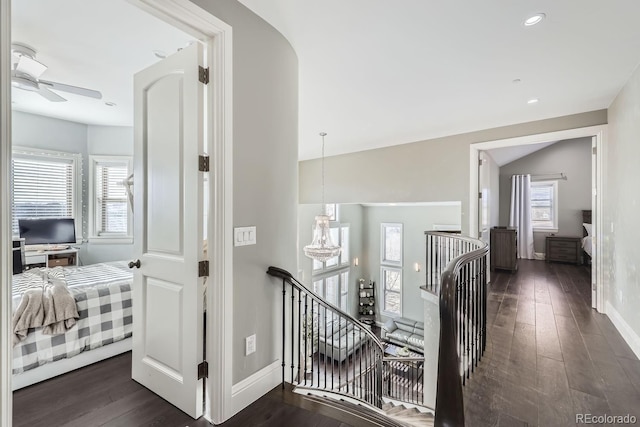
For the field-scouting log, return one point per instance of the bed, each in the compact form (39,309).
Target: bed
(587,239)
(103,297)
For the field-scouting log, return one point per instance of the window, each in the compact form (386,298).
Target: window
(109,212)
(392,289)
(544,205)
(391,244)
(45,184)
(340,236)
(334,289)
(391,268)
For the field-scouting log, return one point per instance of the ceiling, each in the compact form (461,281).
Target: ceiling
(373,73)
(96,44)
(376,73)
(505,155)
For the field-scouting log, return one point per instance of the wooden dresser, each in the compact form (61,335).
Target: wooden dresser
(503,249)
(564,249)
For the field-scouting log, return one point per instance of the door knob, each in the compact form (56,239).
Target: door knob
(135,264)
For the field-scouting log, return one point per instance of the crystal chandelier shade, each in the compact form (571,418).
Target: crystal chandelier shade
(322,247)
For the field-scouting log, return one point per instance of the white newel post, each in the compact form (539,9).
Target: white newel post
(431,346)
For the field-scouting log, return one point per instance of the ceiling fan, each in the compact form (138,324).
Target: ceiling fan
(26,72)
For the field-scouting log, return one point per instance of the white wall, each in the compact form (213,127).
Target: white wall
(571,157)
(621,229)
(265,178)
(494,192)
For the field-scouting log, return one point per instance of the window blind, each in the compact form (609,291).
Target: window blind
(42,188)
(111,198)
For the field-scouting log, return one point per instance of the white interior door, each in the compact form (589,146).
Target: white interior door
(167,302)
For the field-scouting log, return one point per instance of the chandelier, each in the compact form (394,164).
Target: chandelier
(322,247)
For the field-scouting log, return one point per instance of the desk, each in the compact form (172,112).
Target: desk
(51,258)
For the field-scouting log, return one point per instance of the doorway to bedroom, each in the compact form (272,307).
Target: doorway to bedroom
(73,141)
(585,207)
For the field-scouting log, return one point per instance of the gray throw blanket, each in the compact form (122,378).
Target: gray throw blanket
(50,306)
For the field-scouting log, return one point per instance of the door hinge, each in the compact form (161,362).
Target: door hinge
(203,269)
(203,163)
(203,370)
(479,194)
(203,74)
(593,150)
(480,162)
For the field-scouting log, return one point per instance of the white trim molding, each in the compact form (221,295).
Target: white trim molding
(598,132)
(627,332)
(217,35)
(255,386)
(6,353)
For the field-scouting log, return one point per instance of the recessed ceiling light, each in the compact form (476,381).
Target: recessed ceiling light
(534,19)
(533,101)
(110,104)
(160,54)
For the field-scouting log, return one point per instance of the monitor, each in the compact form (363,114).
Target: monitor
(43,231)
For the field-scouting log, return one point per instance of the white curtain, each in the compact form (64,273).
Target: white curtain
(520,214)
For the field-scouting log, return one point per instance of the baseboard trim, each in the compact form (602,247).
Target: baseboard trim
(255,386)
(540,256)
(628,334)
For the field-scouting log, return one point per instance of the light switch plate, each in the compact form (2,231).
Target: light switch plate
(250,344)
(244,236)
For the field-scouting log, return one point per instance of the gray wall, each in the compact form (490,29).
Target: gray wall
(265,177)
(415,221)
(425,171)
(494,192)
(571,157)
(34,131)
(621,206)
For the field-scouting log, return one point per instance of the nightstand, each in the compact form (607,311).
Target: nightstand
(564,249)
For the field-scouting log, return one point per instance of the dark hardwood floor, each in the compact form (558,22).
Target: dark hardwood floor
(549,355)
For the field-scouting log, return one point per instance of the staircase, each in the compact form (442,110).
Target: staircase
(408,416)
(328,353)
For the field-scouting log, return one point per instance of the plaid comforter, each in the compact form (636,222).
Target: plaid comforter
(103,296)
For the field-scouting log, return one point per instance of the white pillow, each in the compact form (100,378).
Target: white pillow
(588,228)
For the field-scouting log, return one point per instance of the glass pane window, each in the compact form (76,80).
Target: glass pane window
(392,288)
(43,186)
(544,204)
(344,290)
(111,214)
(344,242)
(391,242)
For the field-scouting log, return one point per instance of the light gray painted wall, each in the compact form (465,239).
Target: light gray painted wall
(621,207)
(265,177)
(571,157)
(108,141)
(32,130)
(348,214)
(424,171)
(415,221)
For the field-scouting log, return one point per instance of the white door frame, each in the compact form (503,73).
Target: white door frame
(600,133)
(190,18)
(6,400)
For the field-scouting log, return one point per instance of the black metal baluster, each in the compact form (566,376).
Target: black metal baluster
(333,343)
(284,326)
(306,336)
(293,343)
(299,333)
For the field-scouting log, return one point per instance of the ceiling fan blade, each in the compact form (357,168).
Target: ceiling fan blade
(72,89)
(30,66)
(51,96)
